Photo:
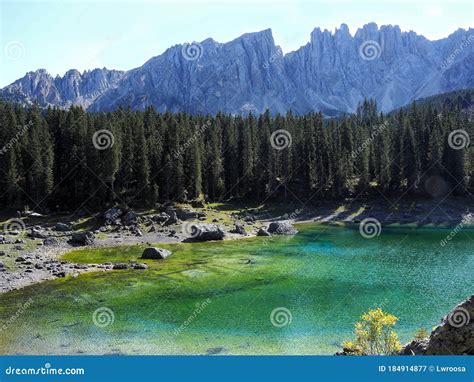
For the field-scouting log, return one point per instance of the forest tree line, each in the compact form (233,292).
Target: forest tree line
(66,159)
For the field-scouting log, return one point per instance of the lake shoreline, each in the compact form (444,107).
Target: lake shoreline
(43,262)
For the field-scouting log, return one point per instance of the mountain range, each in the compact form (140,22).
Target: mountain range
(332,73)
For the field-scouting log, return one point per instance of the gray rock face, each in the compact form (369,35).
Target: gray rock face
(455,334)
(155,253)
(332,73)
(73,89)
(281,228)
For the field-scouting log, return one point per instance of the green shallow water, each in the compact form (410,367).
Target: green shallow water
(207,297)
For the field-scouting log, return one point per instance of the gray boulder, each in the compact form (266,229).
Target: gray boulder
(239,229)
(130,217)
(62,227)
(455,334)
(263,232)
(206,232)
(281,228)
(51,241)
(173,216)
(120,266)
(37,234)
(113,214)
(155,253)
(181,213)
(160,218)
(140,266)
(185,214)
(83,238)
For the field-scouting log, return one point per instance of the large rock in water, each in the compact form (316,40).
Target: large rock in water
(155,253)
(83,238)
(455,334)
(281,228)
(206,232)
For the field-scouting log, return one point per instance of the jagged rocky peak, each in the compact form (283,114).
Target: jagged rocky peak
(332,73)
(73,88)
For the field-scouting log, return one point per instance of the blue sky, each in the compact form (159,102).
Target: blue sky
(59,35)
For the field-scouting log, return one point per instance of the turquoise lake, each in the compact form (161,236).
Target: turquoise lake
(218,298)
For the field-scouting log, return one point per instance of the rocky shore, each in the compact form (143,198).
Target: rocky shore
(32,244)
(453,336)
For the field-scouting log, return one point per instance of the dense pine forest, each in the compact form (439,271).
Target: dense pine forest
(56,160)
